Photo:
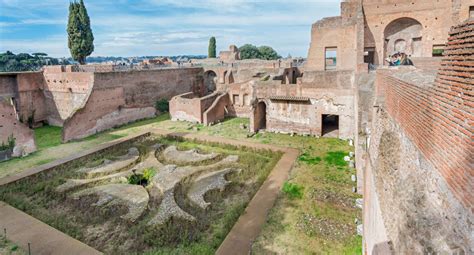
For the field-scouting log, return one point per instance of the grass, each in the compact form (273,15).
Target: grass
(47,136)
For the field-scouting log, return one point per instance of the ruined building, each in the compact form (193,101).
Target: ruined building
(412,126)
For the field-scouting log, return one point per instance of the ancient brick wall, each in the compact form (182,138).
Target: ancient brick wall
(439,119)
(11,125)
(422,153)
(118,98)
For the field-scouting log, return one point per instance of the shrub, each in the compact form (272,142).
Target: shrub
(162,105)
(142,179)
(293,190)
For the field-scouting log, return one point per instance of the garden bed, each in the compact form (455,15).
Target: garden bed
(153,195)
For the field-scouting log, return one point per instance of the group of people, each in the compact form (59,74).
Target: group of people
(399,59)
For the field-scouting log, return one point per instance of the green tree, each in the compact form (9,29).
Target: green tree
(268,53)
(212,48)
(249,51)
(81,39)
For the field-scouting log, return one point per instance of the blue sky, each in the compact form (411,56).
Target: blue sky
(164,27)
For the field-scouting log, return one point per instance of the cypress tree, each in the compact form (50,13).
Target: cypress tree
(212,48)
(81,39)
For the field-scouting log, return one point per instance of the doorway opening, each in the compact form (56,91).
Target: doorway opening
(330,125)
(261,116)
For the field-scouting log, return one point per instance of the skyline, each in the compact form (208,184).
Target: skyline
(164,27)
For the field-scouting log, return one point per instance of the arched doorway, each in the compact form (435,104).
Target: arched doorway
(403,35)
(210,78)
(260,116)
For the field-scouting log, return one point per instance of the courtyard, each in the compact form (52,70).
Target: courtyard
(194,210)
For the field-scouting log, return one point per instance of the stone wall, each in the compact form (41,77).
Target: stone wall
(118,98)
(11,125)
(421,155)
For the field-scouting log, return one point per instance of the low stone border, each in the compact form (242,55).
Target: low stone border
(23,228)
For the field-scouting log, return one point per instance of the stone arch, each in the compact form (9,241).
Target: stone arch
(404,35)
(210,80)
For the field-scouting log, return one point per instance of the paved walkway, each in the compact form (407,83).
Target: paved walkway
(23,229)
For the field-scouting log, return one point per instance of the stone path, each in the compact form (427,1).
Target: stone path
(23,229)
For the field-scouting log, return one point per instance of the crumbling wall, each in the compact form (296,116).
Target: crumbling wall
(11,125)
(65,93)
(409,207)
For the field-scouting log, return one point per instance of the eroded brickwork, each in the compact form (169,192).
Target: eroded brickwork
(421,153)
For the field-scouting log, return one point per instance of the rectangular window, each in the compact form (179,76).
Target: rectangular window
(438,50)
(331,58)
(235,99)
(471,12)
